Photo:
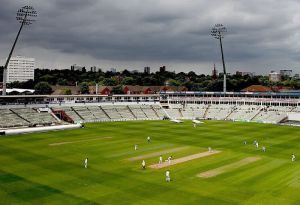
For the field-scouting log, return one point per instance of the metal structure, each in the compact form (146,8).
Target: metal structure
(25,16)
(218,32)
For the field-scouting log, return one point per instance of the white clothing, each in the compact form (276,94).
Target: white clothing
(135,147)
(169,160)
(160,159)
(86,163)
(144,164)
(293,157)
(168,178)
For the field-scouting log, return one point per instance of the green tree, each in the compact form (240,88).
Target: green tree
(84,88)
(43,88)
(61,81)
(109,82)
(67,91)
(117,90)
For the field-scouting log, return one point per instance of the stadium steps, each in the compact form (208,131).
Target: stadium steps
(144,113)
(232,110)
(206,111)
(261,110)
(154,111)
(105,113)
(20,116)
(91,112)
(131,112)
(77,113)
(180,113)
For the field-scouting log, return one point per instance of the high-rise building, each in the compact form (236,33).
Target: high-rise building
(162,69)
(20,69)
(274,76)
(286,73)
(147,70)
(77,67)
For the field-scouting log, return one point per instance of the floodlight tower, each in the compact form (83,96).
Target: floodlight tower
(218,32)
(25,16)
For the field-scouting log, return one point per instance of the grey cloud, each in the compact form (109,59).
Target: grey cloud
(164,31)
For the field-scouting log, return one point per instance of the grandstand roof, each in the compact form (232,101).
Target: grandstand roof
(257,88)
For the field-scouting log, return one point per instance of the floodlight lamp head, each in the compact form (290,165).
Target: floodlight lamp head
(218,31)
(26,14)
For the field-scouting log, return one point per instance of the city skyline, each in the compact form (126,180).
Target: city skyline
(262,35)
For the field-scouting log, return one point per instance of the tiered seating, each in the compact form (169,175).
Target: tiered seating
(244,112)
(137,111)
(149,112)
(10,119)
(219,112)
(188,113)
(159,111)
(34,117)
(174,113)
(272,114)
(198,109)
(98,113)
(70,112)
(112,112)
(85,113)
(124,112)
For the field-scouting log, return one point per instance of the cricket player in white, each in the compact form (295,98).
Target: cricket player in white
(148,139)
(264,149)
(168,178)
(160,160)
(143,164)
(256,145)
(135,147)
(209,149)
(293,157)
(86,163)
(169,159)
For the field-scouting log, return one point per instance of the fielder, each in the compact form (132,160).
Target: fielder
(293,157)
(135,147)
(143,164)
(86,162)
(168,178)
(209,149)
(256,145)
(148,139)
(160,160)
(169,159)
(264,149)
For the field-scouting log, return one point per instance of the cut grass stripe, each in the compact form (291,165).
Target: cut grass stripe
(77,141)
(229,167)
(155,154)
(183,159)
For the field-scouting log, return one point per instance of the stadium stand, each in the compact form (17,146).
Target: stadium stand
(138,112)
(244,112)
(70,112)
(10,119)
(33,117)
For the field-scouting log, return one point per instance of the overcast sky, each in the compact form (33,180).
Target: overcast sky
(262,35)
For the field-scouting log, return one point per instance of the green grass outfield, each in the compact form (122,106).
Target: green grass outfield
(34,172)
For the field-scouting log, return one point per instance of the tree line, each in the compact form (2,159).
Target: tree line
(44,78)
